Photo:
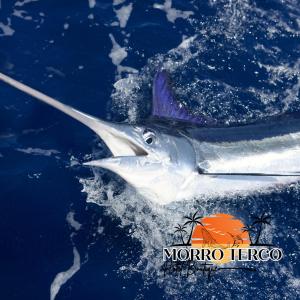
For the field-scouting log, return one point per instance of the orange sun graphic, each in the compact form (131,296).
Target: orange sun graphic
(220,231)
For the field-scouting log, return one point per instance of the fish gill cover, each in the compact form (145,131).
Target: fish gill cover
(234,61)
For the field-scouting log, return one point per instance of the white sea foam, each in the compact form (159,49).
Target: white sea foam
(100,228)
(74,161)
(22,3)
(71,220)
(34,175)
(19,11)
(62,277)
(172,13)
(38,151)
(117,55)
(186,42)
(123,14)
(92,3)
(118,2)
(55,71)
(22,14)
(294,283)
(6,28)
(127,69)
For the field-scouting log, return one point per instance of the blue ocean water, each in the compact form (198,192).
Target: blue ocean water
(236,61)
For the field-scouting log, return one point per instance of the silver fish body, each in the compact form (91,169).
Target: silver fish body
(165,162)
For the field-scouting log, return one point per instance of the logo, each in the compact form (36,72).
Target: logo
(218,242)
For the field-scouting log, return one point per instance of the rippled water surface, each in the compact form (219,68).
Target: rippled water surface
(73,233)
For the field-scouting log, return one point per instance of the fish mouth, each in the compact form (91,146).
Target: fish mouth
(126,147)
(122,141)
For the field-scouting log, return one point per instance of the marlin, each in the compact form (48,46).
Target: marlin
(175,155)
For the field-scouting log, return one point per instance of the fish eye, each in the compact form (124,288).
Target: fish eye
(149,136)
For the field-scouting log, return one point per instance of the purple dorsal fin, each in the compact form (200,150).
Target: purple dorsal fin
(164,104)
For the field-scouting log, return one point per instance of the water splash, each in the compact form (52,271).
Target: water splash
(62,277)
(252,88)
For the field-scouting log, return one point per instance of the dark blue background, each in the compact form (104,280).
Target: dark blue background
(35,239)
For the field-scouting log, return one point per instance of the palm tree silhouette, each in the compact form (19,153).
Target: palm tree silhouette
(193,221)
(260,221)
(249,229)
(180,229)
